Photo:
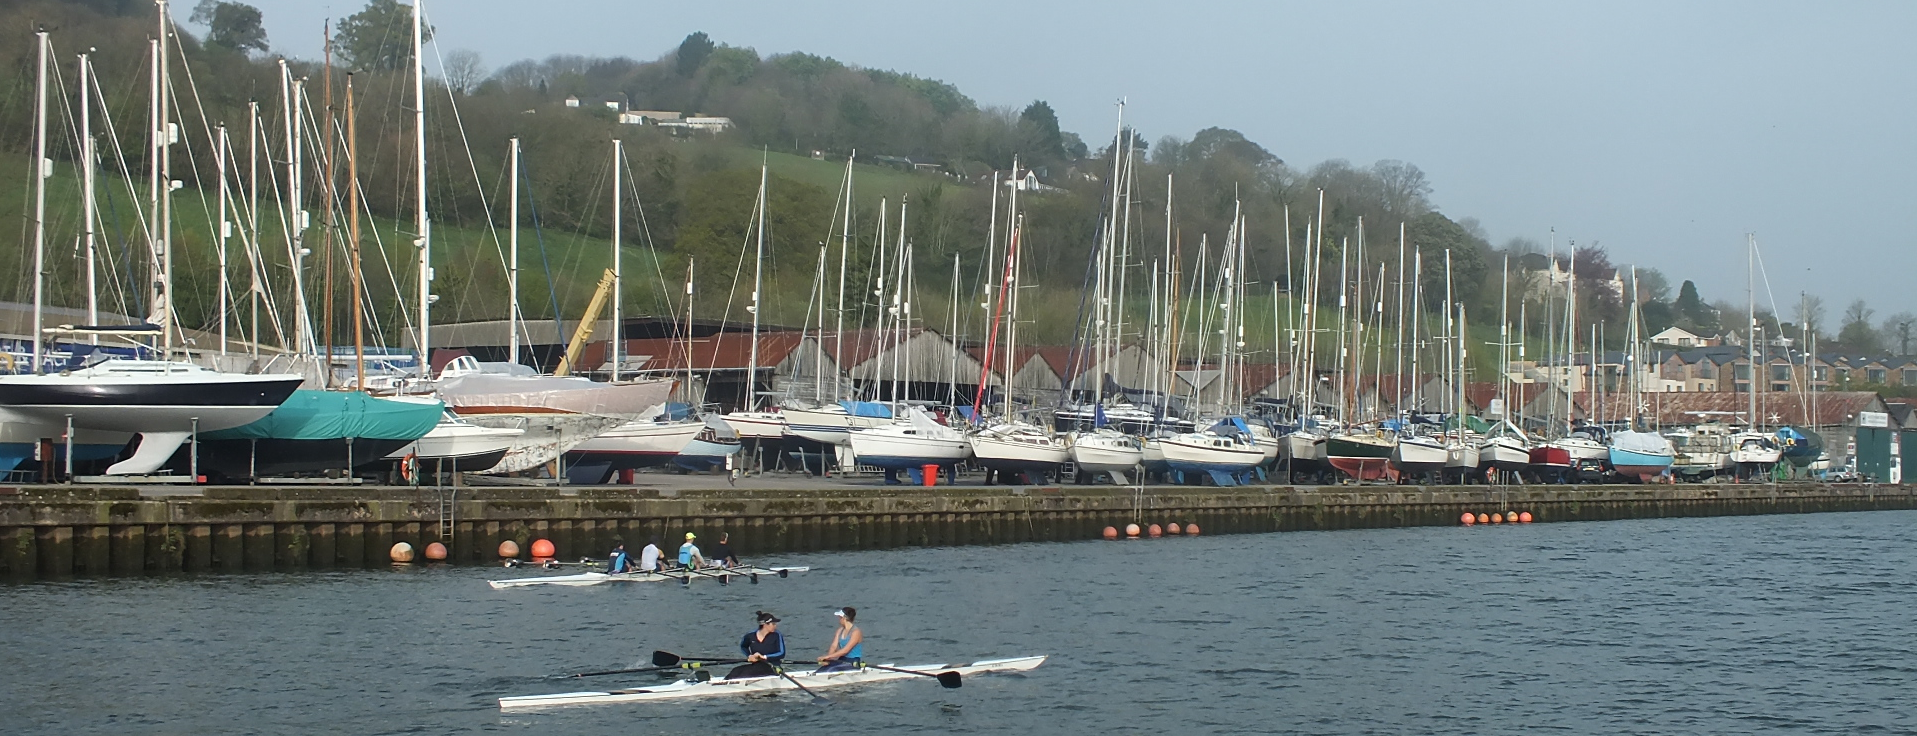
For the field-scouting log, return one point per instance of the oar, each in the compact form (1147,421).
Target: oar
(948,678)
(619,672)
(668,659)
(816,698)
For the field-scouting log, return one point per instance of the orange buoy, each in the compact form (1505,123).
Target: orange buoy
(401,552)
(1191,530)
(542,548)
(508,549)
(1173,529)
(1468,519)
(1111,532)
(1132,530)
(1155,531)
(435,551)
(1484,518)
(1525,517)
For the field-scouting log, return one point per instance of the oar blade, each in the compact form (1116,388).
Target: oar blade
(664,659)
(950,679)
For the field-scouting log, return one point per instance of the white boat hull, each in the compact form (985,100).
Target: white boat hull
(1204,452)
(812,680)
(546,436)
(758,425)
(1103,452)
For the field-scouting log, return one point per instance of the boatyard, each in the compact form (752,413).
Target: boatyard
(63,531)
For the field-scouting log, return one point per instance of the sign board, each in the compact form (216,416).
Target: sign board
(1873,419)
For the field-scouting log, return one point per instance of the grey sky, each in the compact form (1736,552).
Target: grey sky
(1663,131)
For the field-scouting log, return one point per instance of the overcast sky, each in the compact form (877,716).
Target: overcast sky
(1662,131)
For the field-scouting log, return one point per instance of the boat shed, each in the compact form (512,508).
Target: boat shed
(925,365)
(790,366)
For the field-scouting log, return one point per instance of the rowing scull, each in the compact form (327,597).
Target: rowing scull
(683,689)
(596,578)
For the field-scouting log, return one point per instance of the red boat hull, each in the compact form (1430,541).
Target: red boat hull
(1366,468)
(1550,457)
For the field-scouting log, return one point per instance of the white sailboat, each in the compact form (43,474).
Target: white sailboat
(750,421)
(1009,444)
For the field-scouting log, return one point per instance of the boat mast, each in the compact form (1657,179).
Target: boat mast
(221,156)
(331,200)
(290,98)
(1398,354)
(422,223)
(687,392)
(951,398)
(87,203)
(41,170)
(166,133)
(253,220)
(758,272)
(512,255)
(845,246)
(352,237)
(1750,324)
(618,262)
(1103,300)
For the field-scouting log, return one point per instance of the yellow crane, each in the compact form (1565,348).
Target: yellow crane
(584,331)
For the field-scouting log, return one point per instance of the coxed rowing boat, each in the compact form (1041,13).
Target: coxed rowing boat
(683,689)
(721,574)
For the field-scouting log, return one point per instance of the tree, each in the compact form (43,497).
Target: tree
(231,26)
(1692,312)
(379,37)
(1810,313)
(1652,286)
(1857,333)
(692,53)
(1039,128)
(1404,190)
(1896,331)
(464,70)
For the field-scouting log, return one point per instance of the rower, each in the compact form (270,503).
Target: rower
(620,562)
(764,650)
(649,557)
(848,644)
(689,553)
(722,552)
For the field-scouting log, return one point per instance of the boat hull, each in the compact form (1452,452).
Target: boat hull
(811,680)
(238,459)
(1504,454)
(1201,454)
(757,425)
(119,401)
(894,451)
(1362,458)
(1642,465)
(1419,455)
(1101,453)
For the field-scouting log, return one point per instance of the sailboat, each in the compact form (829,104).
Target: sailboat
(1635,454)
(163,400)
(1102,449)
(913,441)
(749,421)
(1009,444)
(555,413)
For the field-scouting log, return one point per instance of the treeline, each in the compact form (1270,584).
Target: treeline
(691,195)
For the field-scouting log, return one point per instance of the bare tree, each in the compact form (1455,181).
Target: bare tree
(1896,330)
(464,70)
(1811,313)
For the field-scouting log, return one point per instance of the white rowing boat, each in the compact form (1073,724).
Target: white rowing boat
(683,689)
(722,574)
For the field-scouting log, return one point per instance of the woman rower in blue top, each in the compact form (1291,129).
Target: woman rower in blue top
(764,650)
(848,644)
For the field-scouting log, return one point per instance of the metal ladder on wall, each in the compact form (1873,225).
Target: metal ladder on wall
(446,502)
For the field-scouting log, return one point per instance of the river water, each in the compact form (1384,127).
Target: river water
(1776,624)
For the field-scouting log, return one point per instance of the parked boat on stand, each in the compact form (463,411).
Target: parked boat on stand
(910,443)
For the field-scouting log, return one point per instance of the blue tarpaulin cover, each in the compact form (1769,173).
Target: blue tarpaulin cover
(867,409)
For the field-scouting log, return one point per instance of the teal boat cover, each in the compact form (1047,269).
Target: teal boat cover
(328,415)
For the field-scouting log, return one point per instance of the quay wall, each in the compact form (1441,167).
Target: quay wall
(52,532)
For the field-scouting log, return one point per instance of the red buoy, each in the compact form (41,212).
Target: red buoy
(436,551)
(508,549)
(1469,518)
(1173,529)
(1525,517)
(1155,531)
(542,548)
(1191,530)
(1111,532)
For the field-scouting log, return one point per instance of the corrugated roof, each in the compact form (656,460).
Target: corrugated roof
(1834,408)
(724,351)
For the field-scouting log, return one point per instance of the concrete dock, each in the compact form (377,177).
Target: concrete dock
(51,532)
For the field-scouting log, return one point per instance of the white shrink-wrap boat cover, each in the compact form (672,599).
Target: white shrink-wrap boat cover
(1645,443)
(558,394)
(929,427)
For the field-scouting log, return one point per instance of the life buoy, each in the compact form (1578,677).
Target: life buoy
(409,468)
